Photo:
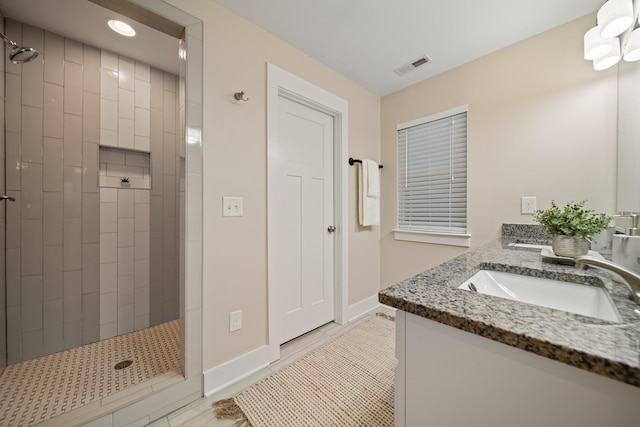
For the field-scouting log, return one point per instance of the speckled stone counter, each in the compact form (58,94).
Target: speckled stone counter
(602,347)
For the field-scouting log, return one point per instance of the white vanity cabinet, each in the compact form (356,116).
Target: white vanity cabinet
(449,377)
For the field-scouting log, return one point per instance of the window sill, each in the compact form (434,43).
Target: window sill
(463,240)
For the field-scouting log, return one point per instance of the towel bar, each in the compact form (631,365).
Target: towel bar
(352,161)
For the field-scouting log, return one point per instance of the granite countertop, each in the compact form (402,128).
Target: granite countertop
(606,348)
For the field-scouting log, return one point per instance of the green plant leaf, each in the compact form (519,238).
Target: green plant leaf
(572,220)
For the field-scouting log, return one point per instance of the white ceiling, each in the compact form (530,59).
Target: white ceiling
(366,39)
(85,21)
(362,39)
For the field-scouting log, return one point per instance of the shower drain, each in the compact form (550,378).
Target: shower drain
(123,364)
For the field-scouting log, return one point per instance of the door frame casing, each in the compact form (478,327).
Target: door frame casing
(285,84)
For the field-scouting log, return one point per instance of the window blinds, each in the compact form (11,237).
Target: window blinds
(432,176)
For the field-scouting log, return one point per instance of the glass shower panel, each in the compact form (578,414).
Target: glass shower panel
(52,241)
(3,302)
(86,261)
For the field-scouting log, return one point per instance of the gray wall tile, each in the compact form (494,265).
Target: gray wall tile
(90,268)
(72,296)
(31,247)
(53,218)
(91,218)
(53,326)
(31,303)
(54,65)
(72,335)
(91,320)
(32,345)
(53,276)
(53,163)
(72,244)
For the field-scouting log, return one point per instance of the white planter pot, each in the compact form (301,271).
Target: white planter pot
(569,246)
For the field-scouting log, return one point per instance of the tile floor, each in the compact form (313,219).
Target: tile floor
(63,388)
(200,412)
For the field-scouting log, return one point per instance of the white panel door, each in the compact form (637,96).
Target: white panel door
(302,257)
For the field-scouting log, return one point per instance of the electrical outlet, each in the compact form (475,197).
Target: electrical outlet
(232,206)
(235,320)
(528,205)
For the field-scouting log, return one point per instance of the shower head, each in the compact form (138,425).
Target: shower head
(20,54)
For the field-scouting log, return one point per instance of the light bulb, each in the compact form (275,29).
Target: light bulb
(121,28)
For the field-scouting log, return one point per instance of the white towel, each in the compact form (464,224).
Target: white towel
(369,193)
(373,178)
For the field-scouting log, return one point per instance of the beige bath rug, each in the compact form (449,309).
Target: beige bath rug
(347,382)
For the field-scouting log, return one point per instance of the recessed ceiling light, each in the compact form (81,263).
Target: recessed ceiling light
(121,28)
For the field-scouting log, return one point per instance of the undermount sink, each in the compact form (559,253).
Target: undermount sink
(572,297)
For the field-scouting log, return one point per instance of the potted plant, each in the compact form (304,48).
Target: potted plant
(571,227)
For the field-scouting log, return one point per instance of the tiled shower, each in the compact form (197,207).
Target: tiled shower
(89,256)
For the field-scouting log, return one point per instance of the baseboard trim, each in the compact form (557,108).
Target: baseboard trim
(221,376)
(362,307)
(232,371)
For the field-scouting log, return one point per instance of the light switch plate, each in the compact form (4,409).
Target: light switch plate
(232,206)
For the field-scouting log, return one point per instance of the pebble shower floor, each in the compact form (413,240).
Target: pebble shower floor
(41,389)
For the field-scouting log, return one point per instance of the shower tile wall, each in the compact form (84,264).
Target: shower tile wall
(53,257)
(124,212)
(52,233)
(165,178)
(138,271)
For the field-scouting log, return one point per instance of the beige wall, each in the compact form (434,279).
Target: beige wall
(235,159)
(541,122)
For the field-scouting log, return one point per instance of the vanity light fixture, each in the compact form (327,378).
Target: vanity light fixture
(632,49)
(601,44)
(121,28)
(614,17)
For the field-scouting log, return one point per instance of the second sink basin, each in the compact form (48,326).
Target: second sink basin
(572,297)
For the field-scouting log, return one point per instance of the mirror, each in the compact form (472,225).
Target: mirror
(628,175)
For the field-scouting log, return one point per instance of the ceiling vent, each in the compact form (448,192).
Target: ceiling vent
(404,69)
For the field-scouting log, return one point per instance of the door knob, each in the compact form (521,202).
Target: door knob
(331,229)
(9,198)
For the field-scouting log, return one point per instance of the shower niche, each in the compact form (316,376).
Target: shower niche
(124,168)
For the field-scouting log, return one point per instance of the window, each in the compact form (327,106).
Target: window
(432,175)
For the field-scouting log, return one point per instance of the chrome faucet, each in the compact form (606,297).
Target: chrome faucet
(631,278)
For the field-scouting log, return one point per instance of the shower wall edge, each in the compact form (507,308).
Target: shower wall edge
(164,401)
